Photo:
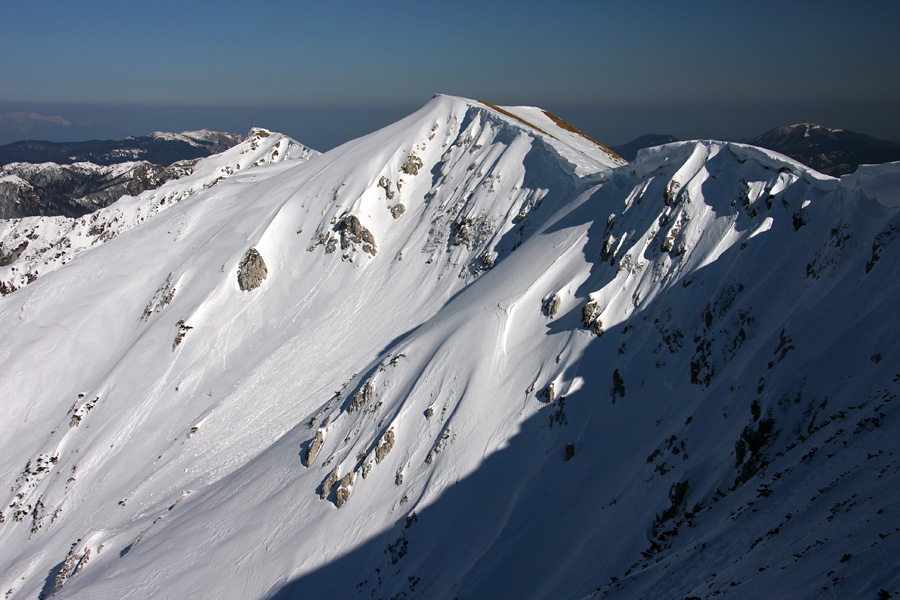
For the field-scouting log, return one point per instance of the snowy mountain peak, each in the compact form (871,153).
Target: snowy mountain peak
(452,342)
(560,130)
(200,138)
(586,153)
(803,130)
(833,151)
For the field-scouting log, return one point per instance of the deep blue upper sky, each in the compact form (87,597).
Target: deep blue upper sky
(326,71)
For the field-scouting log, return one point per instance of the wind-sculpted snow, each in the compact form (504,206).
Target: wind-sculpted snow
(878,182)
(671,378)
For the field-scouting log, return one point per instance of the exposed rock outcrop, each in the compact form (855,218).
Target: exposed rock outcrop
(343,492)
(72,565)
(387,443)
(352,232)
(328,484)
(590,318)
(314,446)
(548,394)
(551,305)
(412,165)
(252,271)
(362,397)
(182,331)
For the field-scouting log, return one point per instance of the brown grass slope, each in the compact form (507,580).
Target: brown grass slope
(559,123)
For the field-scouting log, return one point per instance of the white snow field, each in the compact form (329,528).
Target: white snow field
(471,355)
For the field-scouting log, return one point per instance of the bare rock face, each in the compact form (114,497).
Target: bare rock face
(343,492)
(412,165)
(387,185)
(341,496)
(72,565)
(328,484)
(590,318)
(314,448)
(182,331)
(548,393)
(551,305)
(588,314)
(362,397)
(385,446)
(352,232)
(252,270)
(8,258)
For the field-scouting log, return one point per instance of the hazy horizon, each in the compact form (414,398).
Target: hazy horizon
(326,74)
(324,128)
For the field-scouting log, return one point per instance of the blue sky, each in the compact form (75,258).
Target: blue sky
(333,70)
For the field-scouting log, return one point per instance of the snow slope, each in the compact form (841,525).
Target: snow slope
(467,365)
(32,246)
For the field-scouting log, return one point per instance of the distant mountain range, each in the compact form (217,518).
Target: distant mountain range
(831,151)
(75,178)
(158,148)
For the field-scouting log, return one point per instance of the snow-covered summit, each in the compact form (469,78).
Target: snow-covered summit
(201,138)
(463,356)
(833,151)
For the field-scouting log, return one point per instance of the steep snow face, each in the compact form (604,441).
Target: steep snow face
(32,246)
(449,360)
(878,182)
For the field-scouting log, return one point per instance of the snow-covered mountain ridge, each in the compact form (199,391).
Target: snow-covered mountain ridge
(32,246)
(202,138)
(157,148)
(465,356)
